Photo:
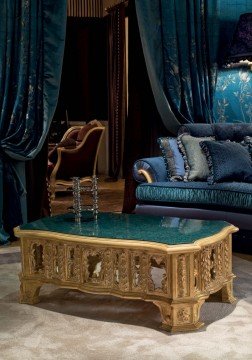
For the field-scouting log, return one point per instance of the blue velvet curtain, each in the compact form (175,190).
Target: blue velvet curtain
(32,36)
(179,40)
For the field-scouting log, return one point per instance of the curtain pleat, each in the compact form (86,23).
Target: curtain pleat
(179,59)
(143,124)
(32,36)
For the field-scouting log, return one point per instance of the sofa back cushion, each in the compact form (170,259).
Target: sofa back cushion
(227,131)
(232,132)
(197,130)
(172,157)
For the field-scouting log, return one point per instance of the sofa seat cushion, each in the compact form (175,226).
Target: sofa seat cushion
(230,194)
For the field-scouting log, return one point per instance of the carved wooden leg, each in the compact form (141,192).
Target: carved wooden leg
(226,293)
(180,317)
(29,292)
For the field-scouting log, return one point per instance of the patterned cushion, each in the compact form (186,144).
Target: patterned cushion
(227,194)
(247,142)
(228,161)
(173,159)
(196,166)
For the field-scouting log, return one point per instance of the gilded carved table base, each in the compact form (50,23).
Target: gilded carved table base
(180,317)
(185,316)
(177,279)
(29,292)
(225,294)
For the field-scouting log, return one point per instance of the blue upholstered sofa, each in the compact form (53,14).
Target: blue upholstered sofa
(230,201)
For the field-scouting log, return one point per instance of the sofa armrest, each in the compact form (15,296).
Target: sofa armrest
(150,170)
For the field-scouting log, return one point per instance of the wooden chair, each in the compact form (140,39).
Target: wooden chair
(77,160)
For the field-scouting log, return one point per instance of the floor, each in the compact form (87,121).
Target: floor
(110,197)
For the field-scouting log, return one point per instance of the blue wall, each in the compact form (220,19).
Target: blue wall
(233,97)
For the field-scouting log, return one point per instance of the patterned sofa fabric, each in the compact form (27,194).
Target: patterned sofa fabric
(234,195)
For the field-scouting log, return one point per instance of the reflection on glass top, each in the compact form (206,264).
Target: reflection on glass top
(166,230)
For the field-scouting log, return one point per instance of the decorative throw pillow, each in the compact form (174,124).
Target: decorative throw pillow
(228,161)
(173,159)
(196,166)
(247,142)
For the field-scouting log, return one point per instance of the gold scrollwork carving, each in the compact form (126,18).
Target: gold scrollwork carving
(205,263)
(177,279)
(196,272)
(48,260)
(107,266)
(73,263)
(145,270)
(36,258)
(183,315)
(226,255)
(135,269)
(219,260)
(123,271)
(182,278)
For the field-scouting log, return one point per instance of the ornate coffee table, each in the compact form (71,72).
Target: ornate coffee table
(174,263)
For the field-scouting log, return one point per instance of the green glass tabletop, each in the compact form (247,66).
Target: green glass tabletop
(166,230)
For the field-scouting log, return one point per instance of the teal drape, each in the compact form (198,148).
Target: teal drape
(179,40)
(32,35)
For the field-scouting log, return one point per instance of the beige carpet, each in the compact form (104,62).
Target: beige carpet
(67,324)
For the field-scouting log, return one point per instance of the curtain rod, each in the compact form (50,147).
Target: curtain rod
(111,7)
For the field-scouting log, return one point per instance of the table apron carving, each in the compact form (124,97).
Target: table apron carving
(177,282)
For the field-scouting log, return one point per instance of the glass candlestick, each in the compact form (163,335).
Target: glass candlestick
(95,196)
(77,204)
(77,198)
